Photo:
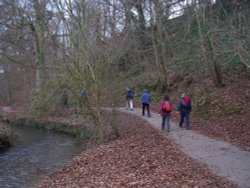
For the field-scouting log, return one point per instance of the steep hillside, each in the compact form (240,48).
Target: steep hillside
(223,112)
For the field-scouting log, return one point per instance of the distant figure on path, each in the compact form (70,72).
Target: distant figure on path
(65,98)
(184,107)
(129,98)
(145,101)
(84,93)
(83,100)
(165,111)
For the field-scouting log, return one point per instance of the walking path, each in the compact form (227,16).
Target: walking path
(222,158)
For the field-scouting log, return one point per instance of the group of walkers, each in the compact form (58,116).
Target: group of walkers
(145,100)
(184,107)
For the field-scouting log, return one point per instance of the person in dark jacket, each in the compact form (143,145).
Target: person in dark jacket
(65,98)
(145,101)
(184,107)
(165,111)
(129,98)
(83,101)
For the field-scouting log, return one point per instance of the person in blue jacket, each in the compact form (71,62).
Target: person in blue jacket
(184,107)
(145,101)
(84,106)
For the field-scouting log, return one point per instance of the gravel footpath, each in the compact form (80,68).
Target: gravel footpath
(222,158)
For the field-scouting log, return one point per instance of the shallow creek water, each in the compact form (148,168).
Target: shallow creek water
(35,155)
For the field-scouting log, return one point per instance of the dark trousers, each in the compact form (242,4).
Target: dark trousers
(184,115)
(65,103)
(143,109)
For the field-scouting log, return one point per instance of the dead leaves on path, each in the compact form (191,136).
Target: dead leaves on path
(142,157)
(234,129)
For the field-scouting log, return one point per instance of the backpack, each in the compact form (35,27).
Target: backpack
(185,102)
(166,106)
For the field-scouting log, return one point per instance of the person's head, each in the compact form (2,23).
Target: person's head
(145,90)
(183,95)
(166,98)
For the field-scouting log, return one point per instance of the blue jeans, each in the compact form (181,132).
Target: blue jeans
(165,121)
(184,115)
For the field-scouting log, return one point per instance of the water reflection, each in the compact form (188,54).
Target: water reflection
(35,155)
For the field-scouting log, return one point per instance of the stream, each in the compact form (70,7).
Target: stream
(35,155)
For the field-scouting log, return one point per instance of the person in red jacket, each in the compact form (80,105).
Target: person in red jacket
(165,111)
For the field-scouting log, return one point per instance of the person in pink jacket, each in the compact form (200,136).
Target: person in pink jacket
(165,111)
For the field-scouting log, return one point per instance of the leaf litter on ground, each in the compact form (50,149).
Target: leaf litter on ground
(141,157)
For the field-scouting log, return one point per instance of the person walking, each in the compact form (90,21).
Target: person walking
(83,101)
(184,107)
(145,101)
(84,93)
(165,111)
(65,98)
(129,98)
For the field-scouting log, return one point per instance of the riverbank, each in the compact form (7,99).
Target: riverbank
(141,157)
(35,155)
(65,124)
(67,121)
(5,136)
(4,140)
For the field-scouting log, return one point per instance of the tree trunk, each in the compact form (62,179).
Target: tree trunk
(160,48)
(207,50)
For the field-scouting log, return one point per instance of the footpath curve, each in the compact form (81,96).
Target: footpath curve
(221,158)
